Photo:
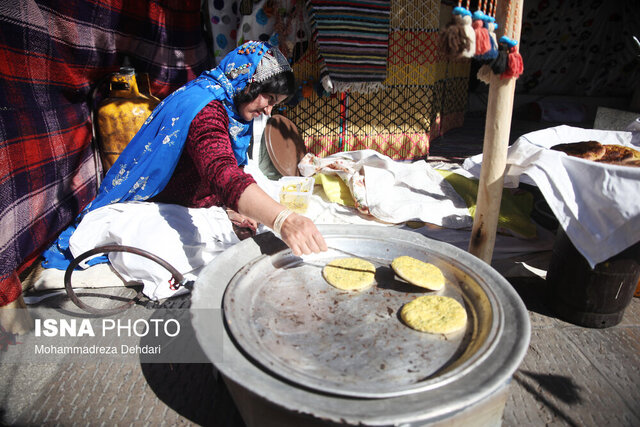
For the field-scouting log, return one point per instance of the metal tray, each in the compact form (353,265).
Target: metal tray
(289,320)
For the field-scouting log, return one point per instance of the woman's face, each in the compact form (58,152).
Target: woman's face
(263,104)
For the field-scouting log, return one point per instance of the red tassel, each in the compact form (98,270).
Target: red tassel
(515,67)
(483,42)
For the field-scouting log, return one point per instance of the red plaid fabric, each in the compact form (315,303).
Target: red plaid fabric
(52,54)
(10,289)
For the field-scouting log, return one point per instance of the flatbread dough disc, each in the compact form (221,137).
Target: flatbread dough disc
(434,314)
(418,272)
(351,274)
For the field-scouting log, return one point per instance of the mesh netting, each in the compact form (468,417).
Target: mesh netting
(424,95)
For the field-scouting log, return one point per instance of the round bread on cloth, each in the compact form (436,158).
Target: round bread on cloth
(434,314)
(351,274)
(619,154)
(589,150)
(608,153)
(418,272)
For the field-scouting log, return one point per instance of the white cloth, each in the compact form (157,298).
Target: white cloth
(188,239)
(394,191)
(597,204)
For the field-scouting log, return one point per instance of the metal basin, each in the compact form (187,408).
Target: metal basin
(307,348)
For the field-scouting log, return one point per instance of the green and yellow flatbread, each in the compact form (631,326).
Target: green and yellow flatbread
(418,272)
(351,274)
(434,314)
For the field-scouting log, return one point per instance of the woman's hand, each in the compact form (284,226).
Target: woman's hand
(297,231)
(302,235)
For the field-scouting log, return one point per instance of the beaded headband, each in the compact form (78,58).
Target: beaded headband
(273,62)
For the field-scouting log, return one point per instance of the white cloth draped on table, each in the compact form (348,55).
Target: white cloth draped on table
(596,204)
(393,191)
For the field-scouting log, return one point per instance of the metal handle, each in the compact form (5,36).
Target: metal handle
(178,278)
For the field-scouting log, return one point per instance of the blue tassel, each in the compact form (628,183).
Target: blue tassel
(492,54)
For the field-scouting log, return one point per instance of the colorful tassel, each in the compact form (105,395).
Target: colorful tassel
(514,66)
(483,42)
(468,29)
(510,65)
(453,39)
(484,73)
(492,53)
(499,65)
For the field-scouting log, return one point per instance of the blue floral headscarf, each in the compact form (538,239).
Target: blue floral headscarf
(145,166)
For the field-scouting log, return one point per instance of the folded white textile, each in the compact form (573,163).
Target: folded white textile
(188,239)
(596,204)
(394,191)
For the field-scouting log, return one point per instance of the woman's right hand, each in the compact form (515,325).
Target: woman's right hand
(297,231)
(302,235)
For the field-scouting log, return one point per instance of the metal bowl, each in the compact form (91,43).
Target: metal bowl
(307,347)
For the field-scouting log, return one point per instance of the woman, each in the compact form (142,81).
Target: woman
(209,163)
(192,149)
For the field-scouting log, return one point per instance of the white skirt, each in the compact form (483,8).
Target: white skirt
(186,238)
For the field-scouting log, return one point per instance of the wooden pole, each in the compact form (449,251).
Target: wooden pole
(496,142)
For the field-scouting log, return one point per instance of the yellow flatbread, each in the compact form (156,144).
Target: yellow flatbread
(351,274)
(434,314)
(418,273)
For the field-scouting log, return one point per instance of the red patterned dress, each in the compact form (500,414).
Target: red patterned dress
(207,173)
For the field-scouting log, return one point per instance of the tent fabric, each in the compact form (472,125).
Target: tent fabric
(282,24)
(52,55)
(579,48)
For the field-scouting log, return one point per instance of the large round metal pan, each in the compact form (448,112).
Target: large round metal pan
(300,343)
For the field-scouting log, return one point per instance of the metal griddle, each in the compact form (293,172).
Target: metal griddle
(284,314)
(294,340)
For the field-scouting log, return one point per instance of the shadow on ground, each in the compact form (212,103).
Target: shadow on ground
(544,386)
(193,390)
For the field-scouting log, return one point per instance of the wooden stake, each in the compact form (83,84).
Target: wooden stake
(495,145)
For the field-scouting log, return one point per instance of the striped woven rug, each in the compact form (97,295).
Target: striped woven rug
(352,39)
